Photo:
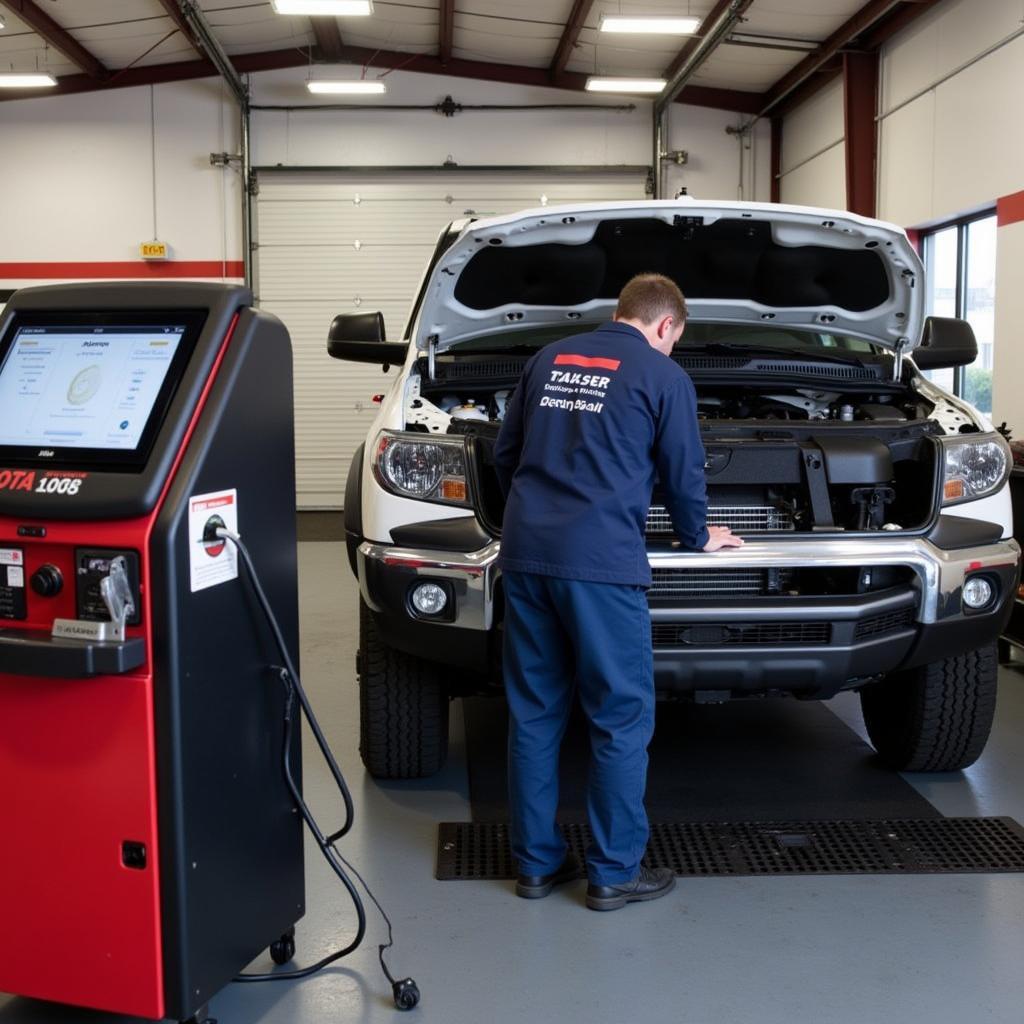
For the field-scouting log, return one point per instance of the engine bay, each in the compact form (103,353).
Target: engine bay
(805,404)
(781,459)
(884,404)
(800,404)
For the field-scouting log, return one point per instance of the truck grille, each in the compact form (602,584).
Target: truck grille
(759,634)
(739,518)
(884,622)
(710,584)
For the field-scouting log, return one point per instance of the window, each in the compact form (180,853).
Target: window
(960,261)
(979,309)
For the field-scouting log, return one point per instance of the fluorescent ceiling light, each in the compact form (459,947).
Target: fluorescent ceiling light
(650,25)
(595,84)
(351,86)
(325,8)
(33,81)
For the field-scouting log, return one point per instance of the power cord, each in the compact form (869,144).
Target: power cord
(405,992)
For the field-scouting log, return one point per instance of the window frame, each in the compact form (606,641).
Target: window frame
(927,240)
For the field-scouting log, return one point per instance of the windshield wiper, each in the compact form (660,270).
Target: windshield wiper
(770,350)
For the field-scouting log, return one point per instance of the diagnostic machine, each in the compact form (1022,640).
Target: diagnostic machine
(151,843)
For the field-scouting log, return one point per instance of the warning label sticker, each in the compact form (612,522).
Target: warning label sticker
(12,583)
(212,560)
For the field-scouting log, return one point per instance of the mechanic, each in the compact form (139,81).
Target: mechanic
(595,418)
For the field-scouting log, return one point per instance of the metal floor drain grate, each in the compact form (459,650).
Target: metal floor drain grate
(480,850)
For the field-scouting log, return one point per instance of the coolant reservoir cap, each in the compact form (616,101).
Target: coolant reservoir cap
(469,411)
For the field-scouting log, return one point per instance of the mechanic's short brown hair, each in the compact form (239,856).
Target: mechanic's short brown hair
(649,297)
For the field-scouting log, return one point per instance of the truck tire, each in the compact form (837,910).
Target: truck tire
(403,709)
(935,718)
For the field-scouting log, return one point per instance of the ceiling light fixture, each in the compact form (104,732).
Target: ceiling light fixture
(650,25)
(3,23)
(27,81)
(361,87)
(599,84)
(325,8)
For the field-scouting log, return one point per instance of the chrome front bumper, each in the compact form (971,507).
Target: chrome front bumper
(940,573)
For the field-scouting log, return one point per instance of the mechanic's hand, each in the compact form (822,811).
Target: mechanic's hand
(722,537)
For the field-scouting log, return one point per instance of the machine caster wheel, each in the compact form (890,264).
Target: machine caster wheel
(283,951)
(201,1016)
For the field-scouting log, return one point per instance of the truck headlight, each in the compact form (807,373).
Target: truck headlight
(417,466)
(974,467)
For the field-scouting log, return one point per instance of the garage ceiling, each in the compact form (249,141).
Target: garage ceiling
(782,51)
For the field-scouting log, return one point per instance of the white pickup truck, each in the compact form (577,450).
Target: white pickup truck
(874,504)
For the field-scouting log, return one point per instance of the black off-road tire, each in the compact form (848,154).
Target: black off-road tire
(403,709)
(935,718)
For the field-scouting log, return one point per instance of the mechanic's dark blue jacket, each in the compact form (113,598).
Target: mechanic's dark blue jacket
(594,420)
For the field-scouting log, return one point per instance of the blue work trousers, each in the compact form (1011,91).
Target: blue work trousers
(561,636)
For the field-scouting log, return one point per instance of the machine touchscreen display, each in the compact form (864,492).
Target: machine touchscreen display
(84,386)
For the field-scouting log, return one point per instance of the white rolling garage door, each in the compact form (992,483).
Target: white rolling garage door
(341,242)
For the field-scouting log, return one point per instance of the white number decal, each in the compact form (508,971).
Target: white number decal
(59,485)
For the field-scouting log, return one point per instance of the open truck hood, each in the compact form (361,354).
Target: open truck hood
(788,266)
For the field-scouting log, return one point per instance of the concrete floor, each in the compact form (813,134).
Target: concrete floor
(832,950)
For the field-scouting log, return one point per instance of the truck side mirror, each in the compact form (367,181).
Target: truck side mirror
(946,342)
(360,338)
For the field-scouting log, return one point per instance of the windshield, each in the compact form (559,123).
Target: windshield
(697,336)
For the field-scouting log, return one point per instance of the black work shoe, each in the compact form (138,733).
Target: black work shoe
(535,887)
(650,884)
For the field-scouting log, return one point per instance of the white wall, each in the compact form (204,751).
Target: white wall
(77,173)
(713,169)
(956,146)
(373,137)
(959,144)
(78,184)
(813,165)
(300,138)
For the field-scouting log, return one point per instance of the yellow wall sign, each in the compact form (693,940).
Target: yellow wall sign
(153,251)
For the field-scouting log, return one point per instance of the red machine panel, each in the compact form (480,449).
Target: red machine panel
(77,761)
(80,874)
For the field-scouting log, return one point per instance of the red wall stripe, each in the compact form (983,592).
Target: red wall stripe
(122,269)
(1010,209)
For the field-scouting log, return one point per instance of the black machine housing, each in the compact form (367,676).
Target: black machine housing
(230,839)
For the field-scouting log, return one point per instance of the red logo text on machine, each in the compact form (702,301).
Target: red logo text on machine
(45,482)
